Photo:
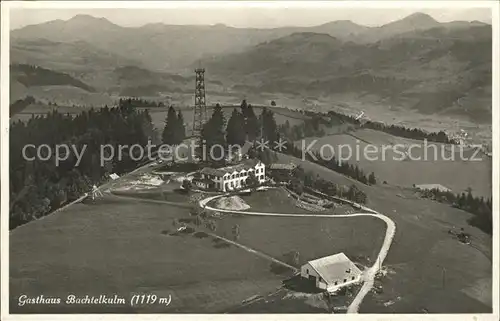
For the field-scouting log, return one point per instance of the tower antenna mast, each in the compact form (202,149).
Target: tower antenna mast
(200,107)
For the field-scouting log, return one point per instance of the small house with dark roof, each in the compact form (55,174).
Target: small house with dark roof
(331,272)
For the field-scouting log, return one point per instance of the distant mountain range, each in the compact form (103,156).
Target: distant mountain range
(169,47)
(432,66)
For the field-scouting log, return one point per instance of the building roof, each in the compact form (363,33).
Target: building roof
(289,166)
(202,180)
(246,147)
(243,165)
(439,187)
(333,266)
(212,171)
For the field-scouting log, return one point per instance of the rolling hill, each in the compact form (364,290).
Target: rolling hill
(156,46)
(435,69)
(172,47)
(32,76)
(415,22)
(135,81)
(43,84)
(79,59)
(416,62)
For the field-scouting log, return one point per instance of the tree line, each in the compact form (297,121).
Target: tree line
(314,126)
(310,127)
(343,167)
(20,104)
(300,179)
(38,187)
(396,130)
(479,206)
(139,102)
(244,125)
(31,75)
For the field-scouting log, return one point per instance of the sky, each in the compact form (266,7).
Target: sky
(245,17)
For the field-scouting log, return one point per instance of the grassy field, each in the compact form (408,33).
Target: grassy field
(360,238)
(156,194)
(422,249)
(278,201)
(117,247)
(457,174)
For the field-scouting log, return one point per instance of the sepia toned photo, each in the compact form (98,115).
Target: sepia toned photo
(250,158)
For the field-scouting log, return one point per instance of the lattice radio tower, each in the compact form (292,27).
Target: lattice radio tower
(200,108)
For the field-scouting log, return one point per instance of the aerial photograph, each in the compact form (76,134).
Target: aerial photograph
(250,160)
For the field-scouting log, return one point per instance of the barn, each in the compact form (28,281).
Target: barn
(331,272)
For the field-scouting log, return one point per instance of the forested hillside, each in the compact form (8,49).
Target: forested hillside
(31,75)
(38,186)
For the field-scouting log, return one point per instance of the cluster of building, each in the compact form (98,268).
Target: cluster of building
(328,273)
(235,177)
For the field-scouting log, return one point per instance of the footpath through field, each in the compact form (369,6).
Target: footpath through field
(368,275)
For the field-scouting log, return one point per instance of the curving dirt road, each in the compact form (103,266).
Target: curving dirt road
(368,275)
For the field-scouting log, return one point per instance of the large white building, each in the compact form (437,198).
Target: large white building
(233,177)
(331,272)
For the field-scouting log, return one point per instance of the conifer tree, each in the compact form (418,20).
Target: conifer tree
(171,127)
(371,179)
(244,108)
(213,135)
(269,127)
(251,124)
(235,131)
(181,128)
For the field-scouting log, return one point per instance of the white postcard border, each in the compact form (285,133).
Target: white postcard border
(4,125)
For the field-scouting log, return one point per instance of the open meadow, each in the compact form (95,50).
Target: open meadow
(389,165)
(278,201)
(127,244)
(423,254)
(116,246)
(360,238)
